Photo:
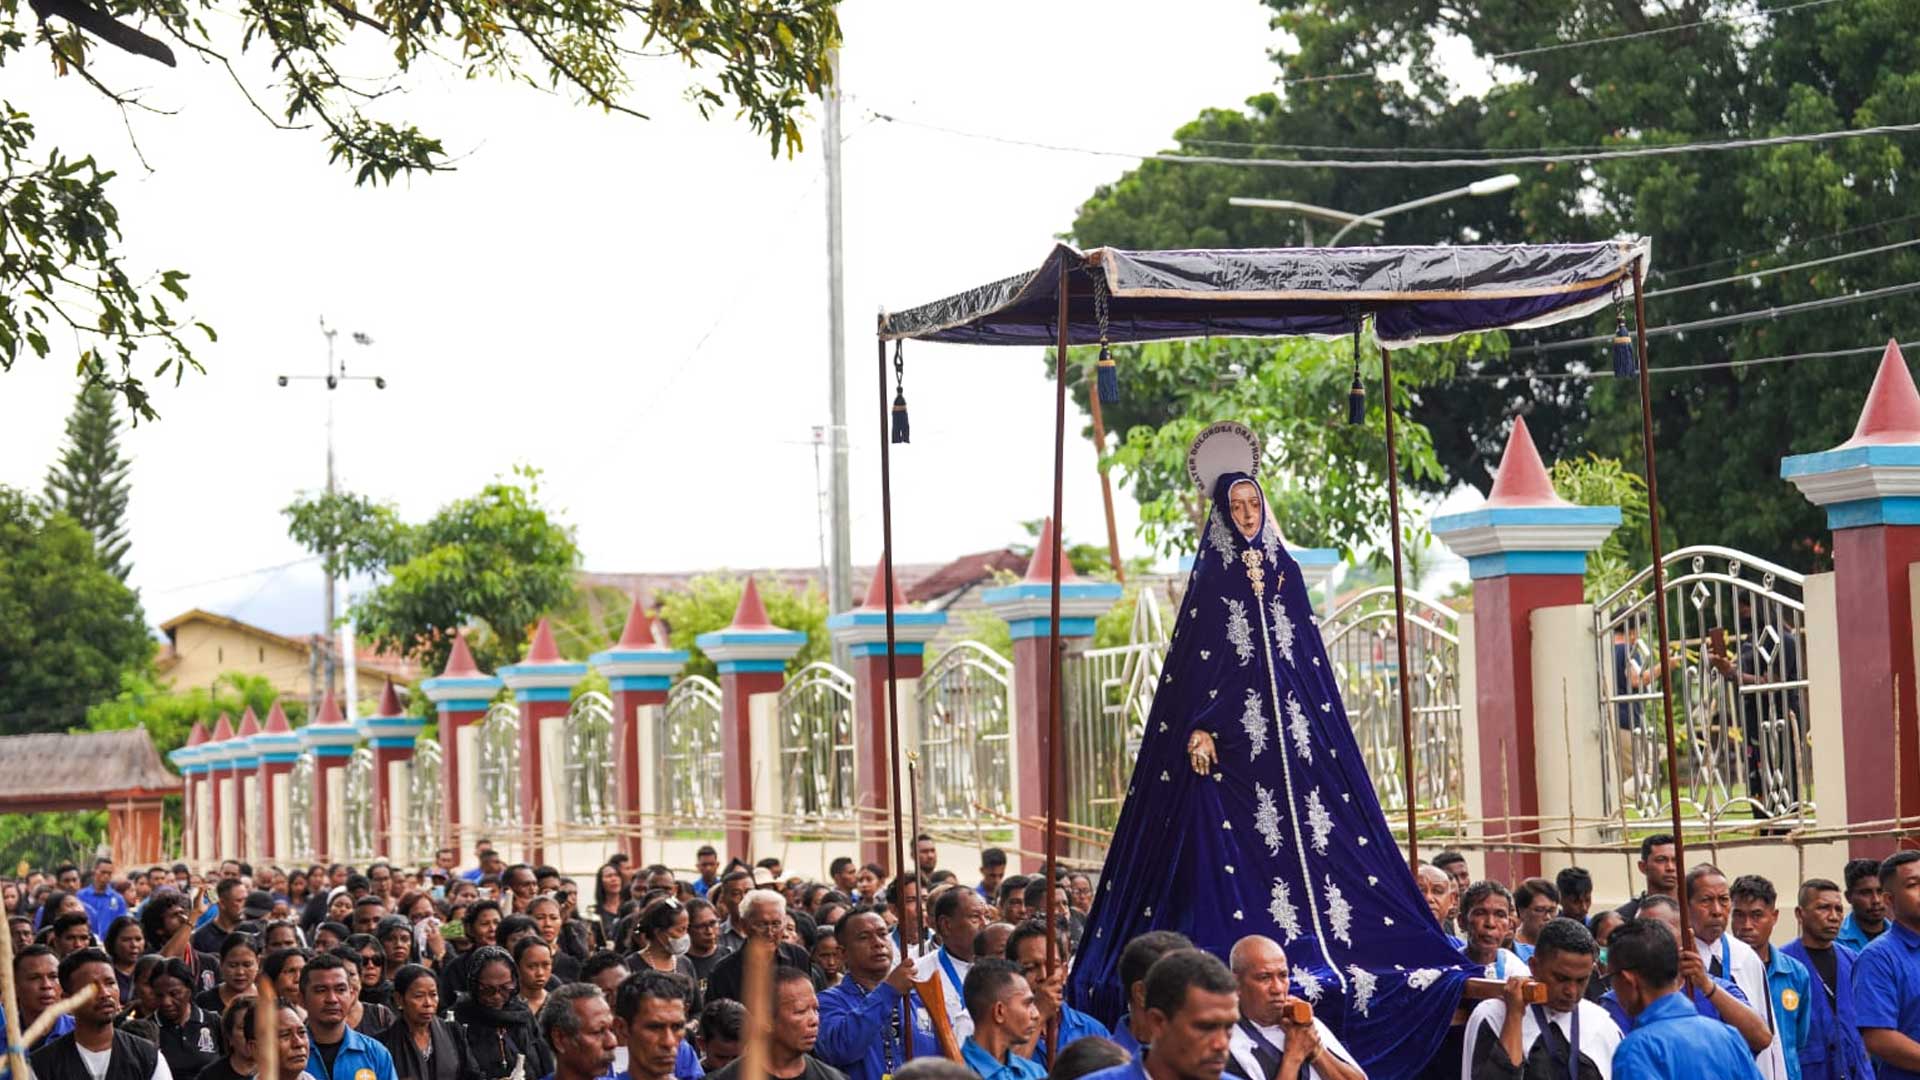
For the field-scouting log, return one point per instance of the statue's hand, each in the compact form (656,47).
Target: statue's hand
(1200,752)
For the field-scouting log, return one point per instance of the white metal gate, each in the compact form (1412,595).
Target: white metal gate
(965,730)
(497,767)
(816,744)
(689,752)
(589,760)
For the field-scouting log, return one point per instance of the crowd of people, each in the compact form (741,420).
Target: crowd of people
(514,971)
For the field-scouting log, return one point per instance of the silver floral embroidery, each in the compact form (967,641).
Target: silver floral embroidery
(1270,540)
(1239,632)
(1319,821)
(1339,915)
(1297,727)
(1266,818)
(1423,978)
(1282,629)
(1309,984)
(1255,724)
(1220,538)
(1284,914)
(1363,986)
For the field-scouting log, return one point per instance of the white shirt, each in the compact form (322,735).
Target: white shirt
(1750,975)
(1599,1035)
(96,1063)
(1506,965)
(924,969)
(1240,1045)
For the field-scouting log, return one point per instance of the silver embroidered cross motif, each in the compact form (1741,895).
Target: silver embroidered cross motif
(1266,818)
(1255,724)
(1283,912)
(1239,632)
(1297,727)
(1319,821)
(1339,915)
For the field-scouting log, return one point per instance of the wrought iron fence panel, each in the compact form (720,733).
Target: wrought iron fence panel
(426,800)
(300,781)
(1106,695)
(1737,627)
(498,766)
(1360,642)
(358,800)
(689,751)
(588,742)
(816,743)
(965,732)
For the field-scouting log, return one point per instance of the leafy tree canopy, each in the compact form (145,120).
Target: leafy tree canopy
(68,627)
(89,480)
(169,714)
(495,562)
(336,67)
(709,601)
(1695,75)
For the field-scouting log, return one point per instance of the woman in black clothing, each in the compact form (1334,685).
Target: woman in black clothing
(660,942)
(363,1016)
(236,1027)
(608,892)
(168,925)
(498,1026)
(370,960)
(481,922)
(239,967)
(188,1036)
(125,943)
(424,1047)
(567,943)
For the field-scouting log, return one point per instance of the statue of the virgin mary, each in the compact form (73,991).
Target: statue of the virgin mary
(1250,810)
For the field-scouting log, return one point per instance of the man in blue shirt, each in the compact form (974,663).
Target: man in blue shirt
(578,1025)
(1135,961)
(707,862)
(1789,983)
(1832,1049)
(1713,997)
(860,1019)
(1027,947)
(1886,976)
(993,870)
(1669,1039)
(1187,1014)
(1004,1018)
(1867,897)
(652,1007)
(338,1051)
(104,902)
(36,980)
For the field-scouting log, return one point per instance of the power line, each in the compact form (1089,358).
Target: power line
(1808,242)
(1727,320)
(1560,46)
(231,577)
(1567,376)
(1663,150)
(1769,271)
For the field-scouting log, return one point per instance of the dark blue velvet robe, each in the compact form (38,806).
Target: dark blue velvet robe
(1285,838)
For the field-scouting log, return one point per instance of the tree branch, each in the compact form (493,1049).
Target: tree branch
(354,16)
(105,27)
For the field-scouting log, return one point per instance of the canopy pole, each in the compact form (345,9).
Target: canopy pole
(1400,611)
(1659,590)
(1057,555)
(907,926)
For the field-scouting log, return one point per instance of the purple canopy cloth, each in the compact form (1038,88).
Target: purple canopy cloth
(1415,294)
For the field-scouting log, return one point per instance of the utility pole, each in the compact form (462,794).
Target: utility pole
(840,571)
(336,374)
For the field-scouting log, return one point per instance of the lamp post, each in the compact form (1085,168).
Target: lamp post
(336,374)
(1492,185)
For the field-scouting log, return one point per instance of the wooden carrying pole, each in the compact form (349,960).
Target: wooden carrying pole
(907,926)
(1399,608)
(1659,592)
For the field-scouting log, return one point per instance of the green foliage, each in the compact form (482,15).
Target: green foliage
(494,562)
(68,627)
(709,601)
(989,629)
(169,714)
(61,271)
(592,620)
(1087,560)
(89,481)
(1708,215)
(1597,481)
(1322,475)
(46,840)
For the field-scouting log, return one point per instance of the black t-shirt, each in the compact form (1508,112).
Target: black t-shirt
(327,1052)
(816,1070)
(1828,967)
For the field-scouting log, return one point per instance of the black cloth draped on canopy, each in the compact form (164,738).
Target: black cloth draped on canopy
(1414,294)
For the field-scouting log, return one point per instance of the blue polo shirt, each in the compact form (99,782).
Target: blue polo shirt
(1790,986)
(1670,1040)
(1701,1005)
(858,1032)
(1886,989)
(1855,938)
(986,1067)
(1832,1049)
(102,908)
(1123,1035)
(1132,1070)
(357,1052)
(1074,1024)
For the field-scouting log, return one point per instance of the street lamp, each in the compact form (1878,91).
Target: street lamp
(1492,185)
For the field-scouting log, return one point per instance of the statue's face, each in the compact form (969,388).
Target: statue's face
(1243,501)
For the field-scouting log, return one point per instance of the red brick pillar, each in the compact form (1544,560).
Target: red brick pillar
(460,695)
(331,741)
(639,671)
(542,684)
(752,655)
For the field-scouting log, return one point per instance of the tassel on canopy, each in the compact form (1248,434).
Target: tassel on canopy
(1357,393)
(1625,364)
(1108,376)
(902,429)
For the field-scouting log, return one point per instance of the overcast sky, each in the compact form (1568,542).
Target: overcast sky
(636,307)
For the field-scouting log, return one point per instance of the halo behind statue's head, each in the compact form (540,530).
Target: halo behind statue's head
(1228,446)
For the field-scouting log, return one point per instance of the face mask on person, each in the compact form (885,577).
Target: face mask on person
(1601,960)
(678,946)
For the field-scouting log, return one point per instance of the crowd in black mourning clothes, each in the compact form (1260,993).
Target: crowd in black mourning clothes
(515,971)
